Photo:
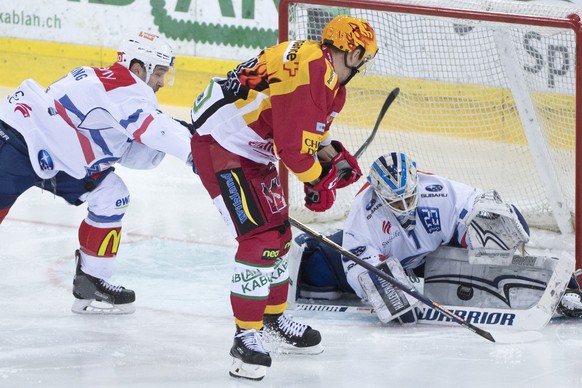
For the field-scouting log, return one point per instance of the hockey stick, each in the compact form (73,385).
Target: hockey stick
(389,100)
(334,308)
(410,291)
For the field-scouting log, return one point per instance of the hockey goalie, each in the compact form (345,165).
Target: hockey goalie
(467,246)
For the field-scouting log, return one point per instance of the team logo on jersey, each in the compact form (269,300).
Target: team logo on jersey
(386,226)
(239,200)
(23,108)
(430,219)
(274,195)
(45,161)
(370,204)
(433,188)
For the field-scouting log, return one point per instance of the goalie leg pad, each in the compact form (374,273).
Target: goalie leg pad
(388,301)
(496,229)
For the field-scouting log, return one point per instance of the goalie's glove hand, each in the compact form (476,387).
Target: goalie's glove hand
(348,170)
(321,196)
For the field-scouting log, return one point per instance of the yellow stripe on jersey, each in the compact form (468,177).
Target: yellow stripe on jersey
(254,114)
(310,175)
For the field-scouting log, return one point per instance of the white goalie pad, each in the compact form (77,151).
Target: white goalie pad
(293,263)
(388,301)
(523,294)
(494,230)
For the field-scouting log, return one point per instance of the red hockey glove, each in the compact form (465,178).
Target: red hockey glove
(321,196)
(346,165)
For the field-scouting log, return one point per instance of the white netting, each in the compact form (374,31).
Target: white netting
(457,114)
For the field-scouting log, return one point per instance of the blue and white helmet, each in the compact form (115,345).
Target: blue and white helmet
(393,176)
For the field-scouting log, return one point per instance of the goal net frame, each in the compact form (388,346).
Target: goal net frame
(571,22)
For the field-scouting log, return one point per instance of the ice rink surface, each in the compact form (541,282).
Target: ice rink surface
(177,256)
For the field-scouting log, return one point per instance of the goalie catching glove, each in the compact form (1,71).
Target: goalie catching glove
(388,301)
(495,230)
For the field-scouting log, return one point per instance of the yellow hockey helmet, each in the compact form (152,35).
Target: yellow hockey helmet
(347,33)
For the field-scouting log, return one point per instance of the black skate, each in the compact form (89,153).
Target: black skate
(294,337)
(571,304)
(250,360)
(96,296)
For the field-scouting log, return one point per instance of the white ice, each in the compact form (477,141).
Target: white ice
(177,255)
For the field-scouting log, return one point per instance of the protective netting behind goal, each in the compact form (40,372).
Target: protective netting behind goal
(487,102)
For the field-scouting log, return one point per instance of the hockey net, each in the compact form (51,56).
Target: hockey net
(487,97)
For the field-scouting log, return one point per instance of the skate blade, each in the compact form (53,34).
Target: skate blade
(93,307)
(239,369)
(284,348)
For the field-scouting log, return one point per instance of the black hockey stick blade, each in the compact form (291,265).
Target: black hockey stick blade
(409,290)
(389,100)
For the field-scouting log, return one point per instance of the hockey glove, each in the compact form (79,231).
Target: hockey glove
(495,230)
(321,196)
(346,165)
(388,301)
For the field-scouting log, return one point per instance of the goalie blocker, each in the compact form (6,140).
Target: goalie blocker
(523,294)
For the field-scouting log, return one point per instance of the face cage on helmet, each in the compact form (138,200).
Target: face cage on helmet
(402,206)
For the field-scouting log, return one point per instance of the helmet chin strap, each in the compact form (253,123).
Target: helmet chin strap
(353,70)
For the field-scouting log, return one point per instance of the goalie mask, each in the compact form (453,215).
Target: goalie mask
(347,33)
(151,51)
(395,181)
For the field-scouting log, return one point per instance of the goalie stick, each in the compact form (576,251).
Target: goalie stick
(410,291)
(389,100)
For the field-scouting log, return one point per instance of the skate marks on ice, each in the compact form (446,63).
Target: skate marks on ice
(182,330)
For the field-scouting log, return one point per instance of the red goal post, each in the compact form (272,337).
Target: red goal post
(488,96)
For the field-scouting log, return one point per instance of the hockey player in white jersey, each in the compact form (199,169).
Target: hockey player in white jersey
(67,138)
(400,218)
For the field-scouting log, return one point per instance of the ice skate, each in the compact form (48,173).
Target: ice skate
(293,337)
(96,296)
(250,360)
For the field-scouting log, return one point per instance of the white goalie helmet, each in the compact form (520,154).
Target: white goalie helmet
(393,176)
(149,49)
